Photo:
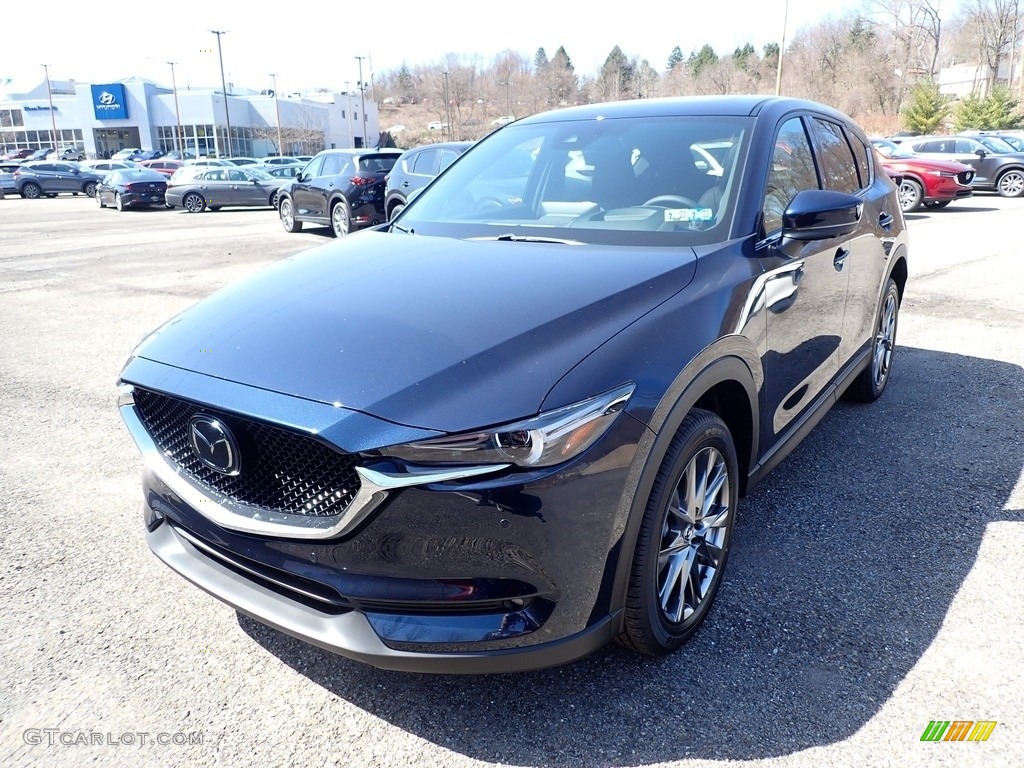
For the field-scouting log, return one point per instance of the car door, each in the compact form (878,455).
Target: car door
(422,170)
(240,188)
(803,287)
(46,176)
(215,187)
(975,154)
(846,166)
(306,200)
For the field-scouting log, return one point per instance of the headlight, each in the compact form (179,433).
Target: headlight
(541,441)
(943,174)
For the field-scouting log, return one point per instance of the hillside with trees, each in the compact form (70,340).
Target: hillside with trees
(881,65)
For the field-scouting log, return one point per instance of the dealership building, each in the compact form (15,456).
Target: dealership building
(102,118)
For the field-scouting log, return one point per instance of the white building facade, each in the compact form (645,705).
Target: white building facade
(105,117)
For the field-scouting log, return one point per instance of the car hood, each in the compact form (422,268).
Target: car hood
(422,331)
(924,164)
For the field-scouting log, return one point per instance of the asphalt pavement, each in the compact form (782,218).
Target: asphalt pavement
(875,583)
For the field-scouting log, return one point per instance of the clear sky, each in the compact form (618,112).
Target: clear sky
(315,44)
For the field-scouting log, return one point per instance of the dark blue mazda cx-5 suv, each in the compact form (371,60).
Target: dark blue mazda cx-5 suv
(514,424)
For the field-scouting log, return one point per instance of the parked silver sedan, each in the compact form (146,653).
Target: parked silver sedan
(218,187)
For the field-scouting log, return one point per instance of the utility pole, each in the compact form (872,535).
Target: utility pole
(49,96)
(782,47)
(277,109)
(447,115)
(224,87)
(362,98)
(508,108)
(177,112)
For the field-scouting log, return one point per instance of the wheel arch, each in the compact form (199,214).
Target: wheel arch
(724,379)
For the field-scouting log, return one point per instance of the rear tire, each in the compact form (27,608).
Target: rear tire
(193,203)
(396,209)
(870,383)
(286,211)
(341,222)
(118,202)
(683,544)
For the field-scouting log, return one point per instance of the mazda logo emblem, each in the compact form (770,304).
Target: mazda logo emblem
(214,445)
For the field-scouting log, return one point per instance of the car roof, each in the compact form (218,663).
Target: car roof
(463,145)
(676,106)
(360,152)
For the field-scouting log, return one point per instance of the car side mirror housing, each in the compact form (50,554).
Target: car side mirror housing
(300,176)
(820,214)
(980,153)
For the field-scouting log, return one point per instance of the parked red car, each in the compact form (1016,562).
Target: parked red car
(17,154)
(931,183)
(164,166)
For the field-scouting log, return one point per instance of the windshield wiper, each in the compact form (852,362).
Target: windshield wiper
(403,230)
(511,237)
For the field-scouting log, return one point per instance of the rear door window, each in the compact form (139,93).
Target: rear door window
(426,162)
(838,163)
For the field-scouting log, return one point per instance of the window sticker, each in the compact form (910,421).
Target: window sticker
(688,214)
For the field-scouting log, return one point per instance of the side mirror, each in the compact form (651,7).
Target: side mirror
(818,214)
(255,181)
(300,176)
(980,153)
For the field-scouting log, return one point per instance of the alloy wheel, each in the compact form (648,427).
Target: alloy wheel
(1011,184)
(339,220)
(693,536)
(885,339)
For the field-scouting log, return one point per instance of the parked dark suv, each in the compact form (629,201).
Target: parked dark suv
(997,169)
(339,188)
(415,169)
(52,177)
(498,433)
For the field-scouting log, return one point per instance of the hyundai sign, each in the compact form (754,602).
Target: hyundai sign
(108,102)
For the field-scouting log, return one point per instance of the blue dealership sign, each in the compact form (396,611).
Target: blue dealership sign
(108,102)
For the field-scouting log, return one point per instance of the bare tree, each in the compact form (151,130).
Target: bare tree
(994,24)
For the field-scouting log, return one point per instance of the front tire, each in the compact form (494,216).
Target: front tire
(287,213)
(936,204)
(1011,184)
(193,203)
(99,200)
(911,193)
(870,384)
(89,189)
(341,222)
(684,537)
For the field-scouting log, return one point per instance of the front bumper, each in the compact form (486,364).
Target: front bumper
(498,573)
(351,633)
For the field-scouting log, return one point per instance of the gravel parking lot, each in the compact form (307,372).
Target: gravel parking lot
(875,583)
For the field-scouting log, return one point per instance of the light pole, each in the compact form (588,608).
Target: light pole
(177,111)
(224,87)
(447,115)
(49,96)
(277,110)
(508,108)
(362,94)
(782,47)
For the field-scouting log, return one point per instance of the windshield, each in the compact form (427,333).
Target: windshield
(637,181)
(993,144)
(1014,141)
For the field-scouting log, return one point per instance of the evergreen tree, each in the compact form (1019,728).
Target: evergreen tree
(617,75)
(741,56)
(561,55)
(540,60)
(927,109)
(702,59)
(674,59)
(406,85)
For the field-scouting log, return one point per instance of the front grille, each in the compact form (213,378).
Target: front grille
(965,178)
(281,471)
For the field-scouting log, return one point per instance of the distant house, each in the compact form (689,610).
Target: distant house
(962,80)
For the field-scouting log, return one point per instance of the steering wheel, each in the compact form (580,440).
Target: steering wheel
(666,201)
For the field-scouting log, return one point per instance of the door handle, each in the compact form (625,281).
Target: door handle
(885,220)
(840,258)
(405,183)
